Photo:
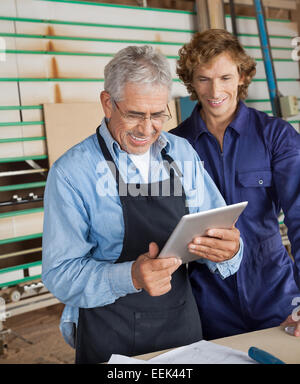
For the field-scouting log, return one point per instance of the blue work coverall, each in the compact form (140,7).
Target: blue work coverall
(260,163)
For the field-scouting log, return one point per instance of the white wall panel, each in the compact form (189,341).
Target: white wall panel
(20,149)
(274,42)
(11,276)
(107,14)
(249,25)
(73,92)
(9,116)
(78,66)
(7,8)
(32,28)
(28,224)
(261,106)
(31,44)
(11,150)
(21,225)
(68,66)
(33,65)
(34,271)
(54,66)
(282,69)
(101,32)
(276,53)
(19,131)
(8,68)
(8,132)
(34,9)
(32,115)
(34,93)
(34,148)
(10,42)
(9,93)
(179,90)
(289,88)
(84,46)
(6,25)
(259,90)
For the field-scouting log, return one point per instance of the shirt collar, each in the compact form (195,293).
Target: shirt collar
(198,126)
(240,122)
(114,147)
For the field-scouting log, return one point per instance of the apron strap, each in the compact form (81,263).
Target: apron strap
(170,166)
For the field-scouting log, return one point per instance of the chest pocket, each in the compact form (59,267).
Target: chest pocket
(254,187)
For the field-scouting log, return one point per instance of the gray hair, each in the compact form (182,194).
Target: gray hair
(134,64)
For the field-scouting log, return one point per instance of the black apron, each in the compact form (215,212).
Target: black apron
(139,323)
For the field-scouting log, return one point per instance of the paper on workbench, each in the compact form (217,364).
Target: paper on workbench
(201,352)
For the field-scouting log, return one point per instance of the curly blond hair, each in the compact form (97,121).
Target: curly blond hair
(205,46)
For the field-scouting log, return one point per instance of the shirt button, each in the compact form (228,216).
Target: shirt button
(260,182)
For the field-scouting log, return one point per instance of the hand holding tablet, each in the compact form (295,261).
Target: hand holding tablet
(215,229)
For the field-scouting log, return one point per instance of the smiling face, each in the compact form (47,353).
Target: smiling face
(216,84)
(138,100)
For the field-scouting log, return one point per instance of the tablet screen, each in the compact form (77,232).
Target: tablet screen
(196,224)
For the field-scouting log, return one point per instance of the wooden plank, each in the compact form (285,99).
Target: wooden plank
(30,304)
(20,149)
(6,228)
(64,66)
(274,42)
(276,53)
(71,92)
(9,94)
(249,25)
(81,119)
(259,90)
(32,65)
(21,131)
(11,276)
(282,69)
(32,115)
(22,225)
(99,32)
(5,25)
(173,122)
(8,8)
(28,224)
(216,14)
(281,4)
(9,116)
(202,15)
(110,47)
(38,93)
(68,124)
(108,14)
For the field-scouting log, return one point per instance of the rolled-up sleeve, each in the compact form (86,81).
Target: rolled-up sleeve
(228,267)
(68,269)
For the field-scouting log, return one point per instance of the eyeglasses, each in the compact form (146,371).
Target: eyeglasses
(134,118)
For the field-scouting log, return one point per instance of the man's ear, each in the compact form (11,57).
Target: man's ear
(242,79)
(105,99)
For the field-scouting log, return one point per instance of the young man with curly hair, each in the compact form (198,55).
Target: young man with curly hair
(250,156)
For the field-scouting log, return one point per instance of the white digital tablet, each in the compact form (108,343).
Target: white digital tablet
(196,224)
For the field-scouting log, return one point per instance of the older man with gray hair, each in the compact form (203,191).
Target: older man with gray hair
(111,202)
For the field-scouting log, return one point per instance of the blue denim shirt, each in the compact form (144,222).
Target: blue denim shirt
(83,221)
